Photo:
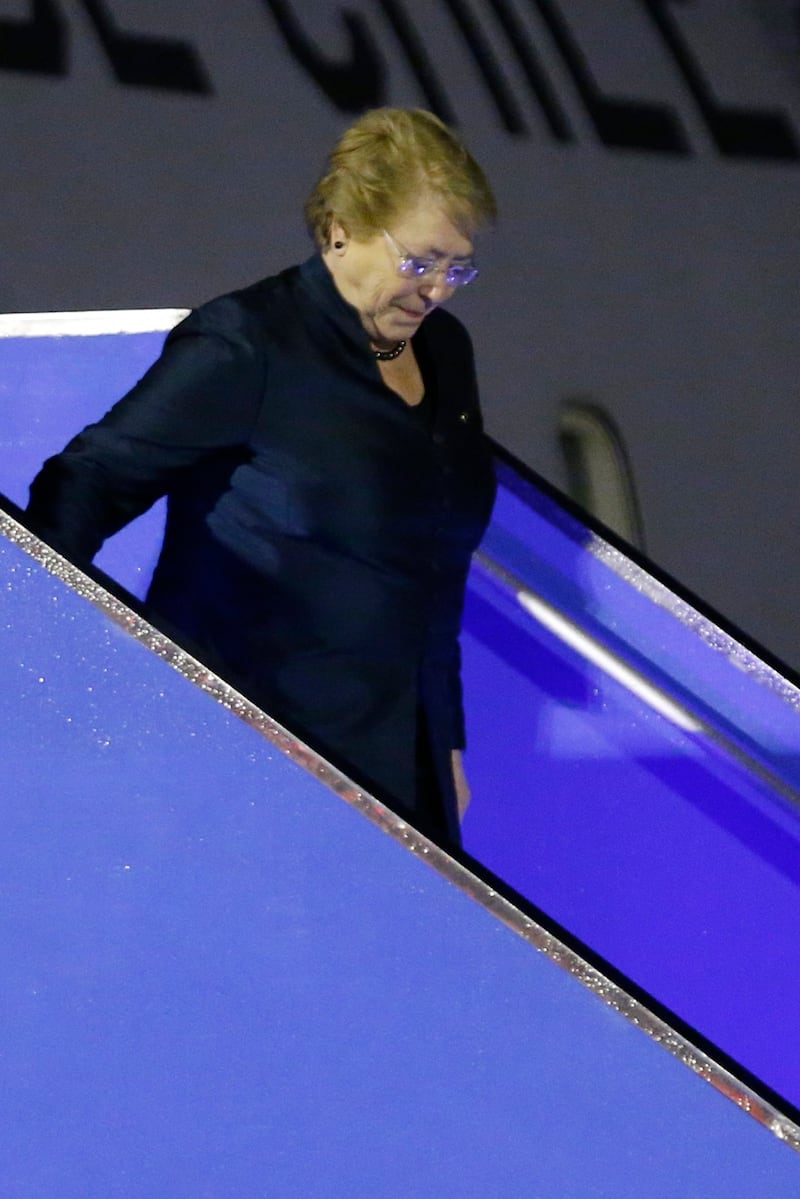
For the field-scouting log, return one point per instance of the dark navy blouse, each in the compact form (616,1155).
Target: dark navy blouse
(319,530)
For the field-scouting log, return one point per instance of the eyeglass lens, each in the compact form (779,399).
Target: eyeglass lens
(456,275)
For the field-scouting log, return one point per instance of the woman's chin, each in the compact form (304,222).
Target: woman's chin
(397,325)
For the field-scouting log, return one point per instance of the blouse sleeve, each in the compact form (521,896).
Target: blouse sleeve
(444,663)
(199,398)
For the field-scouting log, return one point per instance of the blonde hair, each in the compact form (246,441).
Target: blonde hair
(382,165)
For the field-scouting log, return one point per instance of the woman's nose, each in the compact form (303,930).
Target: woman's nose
(436,288)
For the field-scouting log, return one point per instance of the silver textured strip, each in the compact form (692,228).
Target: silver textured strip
(567,959)
(708,632)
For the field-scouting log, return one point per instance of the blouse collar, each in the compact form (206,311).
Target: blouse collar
(317,280)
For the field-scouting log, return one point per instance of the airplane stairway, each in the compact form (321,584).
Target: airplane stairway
(228,972)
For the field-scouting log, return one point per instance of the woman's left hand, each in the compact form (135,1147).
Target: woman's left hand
(463,793)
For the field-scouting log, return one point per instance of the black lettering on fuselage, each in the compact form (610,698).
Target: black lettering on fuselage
(352,84)
(736,131)
(360,78)
(39,45)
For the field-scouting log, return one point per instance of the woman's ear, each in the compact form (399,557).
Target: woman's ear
(338,238)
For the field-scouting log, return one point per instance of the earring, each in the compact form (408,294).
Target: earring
(338,245)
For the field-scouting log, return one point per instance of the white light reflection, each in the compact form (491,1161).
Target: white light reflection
(88,324)
(590,649)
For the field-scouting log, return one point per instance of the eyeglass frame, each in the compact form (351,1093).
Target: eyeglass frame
(418,267)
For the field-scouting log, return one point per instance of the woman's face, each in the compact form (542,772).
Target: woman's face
(393,306)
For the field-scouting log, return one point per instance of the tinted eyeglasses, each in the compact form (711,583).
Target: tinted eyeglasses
(456,274)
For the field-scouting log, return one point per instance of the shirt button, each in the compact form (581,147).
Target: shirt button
(463,417)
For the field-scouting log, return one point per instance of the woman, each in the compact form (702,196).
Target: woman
(319,440)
